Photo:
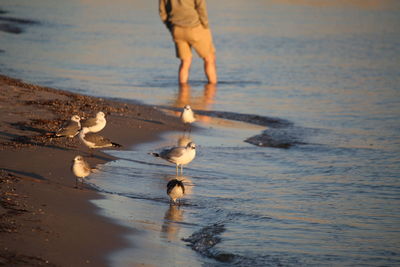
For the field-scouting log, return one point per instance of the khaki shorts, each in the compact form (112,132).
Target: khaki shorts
(198,37)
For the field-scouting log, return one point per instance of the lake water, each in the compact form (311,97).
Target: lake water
(298,159)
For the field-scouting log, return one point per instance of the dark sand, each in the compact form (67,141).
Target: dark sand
(44,220)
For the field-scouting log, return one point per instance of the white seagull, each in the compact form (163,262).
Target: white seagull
(95,124)
(175,190)
(80,168)
(187,115)
(92,140)
(71,128)
(178,155)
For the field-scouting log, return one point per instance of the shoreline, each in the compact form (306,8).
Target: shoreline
(44,219)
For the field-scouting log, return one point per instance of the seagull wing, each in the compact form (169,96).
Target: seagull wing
(98,140)
(71,128)
(89,122)
(172,153)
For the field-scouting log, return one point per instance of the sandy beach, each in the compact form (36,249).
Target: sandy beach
(44,219)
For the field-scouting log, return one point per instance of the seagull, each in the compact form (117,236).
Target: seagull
(92,140)
(179,155)
(80,168)
(95,124)
(71,128)
(187,115)
(175,190)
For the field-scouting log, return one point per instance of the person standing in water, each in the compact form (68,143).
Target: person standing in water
(187,20)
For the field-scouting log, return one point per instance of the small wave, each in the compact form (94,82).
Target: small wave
(18,20)
(13,25)
(281,133)
(249,118)
(278,138)
(205,239)
(251,216)
(286,137)
(242,117)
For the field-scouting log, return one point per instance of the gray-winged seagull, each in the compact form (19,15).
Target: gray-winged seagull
(71,128)
(178,155)
(95,124)
(93,140)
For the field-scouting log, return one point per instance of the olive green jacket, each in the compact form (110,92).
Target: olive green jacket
(183,13)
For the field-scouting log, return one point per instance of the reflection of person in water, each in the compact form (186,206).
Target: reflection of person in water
(187,20)
(184,97)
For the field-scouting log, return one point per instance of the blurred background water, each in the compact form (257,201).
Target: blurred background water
(311,86)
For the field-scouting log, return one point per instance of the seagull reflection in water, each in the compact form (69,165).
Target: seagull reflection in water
(170,228)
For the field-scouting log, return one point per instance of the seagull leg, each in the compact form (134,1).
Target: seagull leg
(177,169)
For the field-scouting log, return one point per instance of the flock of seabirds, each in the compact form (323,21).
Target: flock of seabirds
(87,130)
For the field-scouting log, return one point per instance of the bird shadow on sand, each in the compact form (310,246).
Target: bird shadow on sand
(26,127)
(40,137)
(26,175)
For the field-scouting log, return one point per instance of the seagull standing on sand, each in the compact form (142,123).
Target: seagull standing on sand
(95,124)
(71,128)
(187,116)
(175,190)
(178,155)
(92,140)
(80,168)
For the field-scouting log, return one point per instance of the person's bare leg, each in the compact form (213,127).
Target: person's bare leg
(184,69)
(210,68)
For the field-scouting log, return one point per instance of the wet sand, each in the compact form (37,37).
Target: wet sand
(44,220)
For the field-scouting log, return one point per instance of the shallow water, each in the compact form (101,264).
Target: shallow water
(298,151)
